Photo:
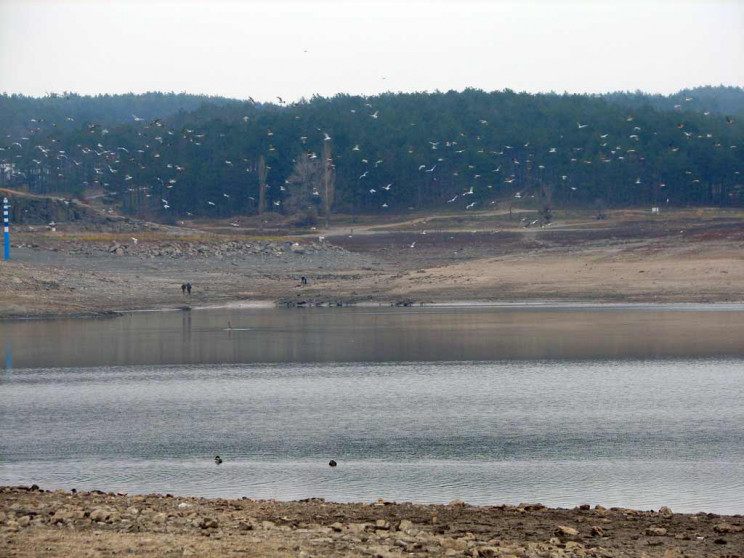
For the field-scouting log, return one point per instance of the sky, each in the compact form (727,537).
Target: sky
(298,49)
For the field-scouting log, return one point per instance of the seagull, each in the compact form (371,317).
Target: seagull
(469,205)
(137,118)
(374,115)
(364,175)
(326,136)
(413,245)
(211,203)
(355,148)
(135,240)
(387,188)
(453,199)
(431,169)
(217,459)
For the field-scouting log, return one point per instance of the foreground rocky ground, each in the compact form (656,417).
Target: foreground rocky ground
(42,523)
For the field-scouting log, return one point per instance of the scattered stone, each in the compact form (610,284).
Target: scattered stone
(597,531)
(656,531)
(208,523)
(727,528)
(564,531)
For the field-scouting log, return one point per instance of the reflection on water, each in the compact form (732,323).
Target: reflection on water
(379,335)
(627,406)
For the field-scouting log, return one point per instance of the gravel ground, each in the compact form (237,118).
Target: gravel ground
(38,523)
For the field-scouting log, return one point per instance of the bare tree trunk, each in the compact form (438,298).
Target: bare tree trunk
(261,185)
(328,182)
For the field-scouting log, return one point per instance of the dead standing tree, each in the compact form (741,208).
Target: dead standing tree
(262,173)
(304,194)
(329,182)
(545,199)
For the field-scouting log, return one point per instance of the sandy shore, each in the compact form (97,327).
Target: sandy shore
(40,523)
(686,257)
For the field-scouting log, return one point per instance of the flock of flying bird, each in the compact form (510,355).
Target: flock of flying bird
(115,167)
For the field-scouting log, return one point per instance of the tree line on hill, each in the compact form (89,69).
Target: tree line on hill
(168,156)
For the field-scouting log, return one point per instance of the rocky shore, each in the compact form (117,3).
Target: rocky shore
(35,522)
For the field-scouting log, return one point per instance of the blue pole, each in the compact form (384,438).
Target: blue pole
(6,228)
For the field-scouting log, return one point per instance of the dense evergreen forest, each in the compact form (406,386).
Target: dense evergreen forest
(170,155)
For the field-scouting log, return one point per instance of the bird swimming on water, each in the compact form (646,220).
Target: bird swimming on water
(217,459)
(332,463)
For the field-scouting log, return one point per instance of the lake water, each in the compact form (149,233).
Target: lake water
(637,406)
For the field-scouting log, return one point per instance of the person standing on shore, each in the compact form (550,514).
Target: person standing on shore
(188,288)
(183,288)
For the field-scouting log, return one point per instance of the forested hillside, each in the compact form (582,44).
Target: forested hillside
(173,155)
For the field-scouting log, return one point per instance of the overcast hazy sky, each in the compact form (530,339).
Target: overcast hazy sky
(296,49)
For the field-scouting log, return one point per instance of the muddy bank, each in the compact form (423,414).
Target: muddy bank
(39,523)
(681,259)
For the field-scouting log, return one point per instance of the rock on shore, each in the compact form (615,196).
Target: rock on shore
(35,522)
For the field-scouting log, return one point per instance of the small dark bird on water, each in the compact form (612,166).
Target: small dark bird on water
(332,463)
(217,459)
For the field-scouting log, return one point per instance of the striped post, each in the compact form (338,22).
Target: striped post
(6,228)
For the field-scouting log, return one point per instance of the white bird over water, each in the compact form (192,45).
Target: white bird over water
(326,137)
(581,126)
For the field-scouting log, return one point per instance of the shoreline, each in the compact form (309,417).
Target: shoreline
(66,523)
(465,304)
(626,261)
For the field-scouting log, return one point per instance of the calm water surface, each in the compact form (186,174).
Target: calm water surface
(630,406)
